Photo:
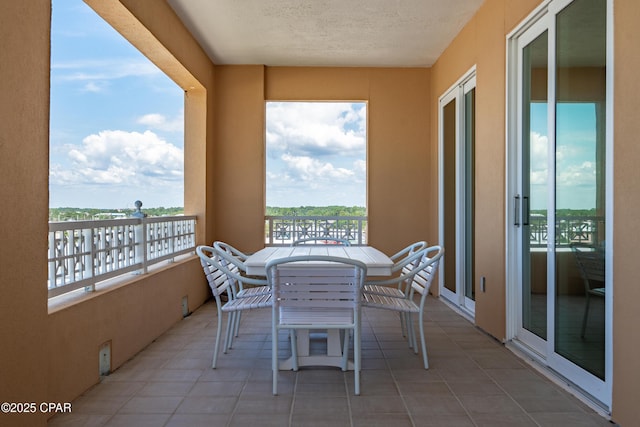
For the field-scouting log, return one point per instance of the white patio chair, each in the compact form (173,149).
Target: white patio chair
(234,259)
(420,278)
(321,241)
(591,264)
(218,277)
(404,261)
(316,297)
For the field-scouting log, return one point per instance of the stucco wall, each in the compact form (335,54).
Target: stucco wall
(482,43)
(399,205)
(626,128)
(24,170)
(54,357)
(129,317)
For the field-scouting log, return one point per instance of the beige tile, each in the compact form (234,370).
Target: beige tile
(138,420)
(472,381)
(376,404)
(198,420)
(216,388)
(151,405)
(320,405)
(165,389)
(207,405)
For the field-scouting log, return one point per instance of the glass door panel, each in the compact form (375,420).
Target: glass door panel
(580,213)
(535,186)
(449,139)
(457,208)
(469,193)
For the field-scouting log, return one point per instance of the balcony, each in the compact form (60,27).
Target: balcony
(472,380)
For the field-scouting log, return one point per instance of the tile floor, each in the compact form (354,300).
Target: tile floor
(473,380)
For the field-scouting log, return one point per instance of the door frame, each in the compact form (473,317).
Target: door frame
(456,91)
(596,391)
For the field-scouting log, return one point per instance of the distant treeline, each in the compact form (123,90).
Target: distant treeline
(87,214)
(317,211)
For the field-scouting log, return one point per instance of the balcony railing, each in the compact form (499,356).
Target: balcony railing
(282,230)
(82,253)
(569,230)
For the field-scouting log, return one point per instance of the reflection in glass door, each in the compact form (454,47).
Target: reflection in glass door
(533,197)
(580,213)
(560,207)
(457,142)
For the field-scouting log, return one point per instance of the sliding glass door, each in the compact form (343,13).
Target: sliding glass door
(559,208)
(457,143)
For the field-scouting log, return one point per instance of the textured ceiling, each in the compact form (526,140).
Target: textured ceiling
(348,33)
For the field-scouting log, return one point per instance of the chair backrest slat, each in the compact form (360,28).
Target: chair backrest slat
(295,285)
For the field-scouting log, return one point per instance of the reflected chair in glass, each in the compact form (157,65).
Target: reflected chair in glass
(590,261)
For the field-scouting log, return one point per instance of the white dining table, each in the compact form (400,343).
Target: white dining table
(378,264)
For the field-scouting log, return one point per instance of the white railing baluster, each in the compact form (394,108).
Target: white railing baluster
(282,230)
(82,253)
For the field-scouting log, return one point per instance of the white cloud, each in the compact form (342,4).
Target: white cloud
(316,154)
(309,169)
(316,127)
(119,157)
(161,122)
(104,69)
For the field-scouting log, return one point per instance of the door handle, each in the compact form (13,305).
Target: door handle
(516,210)
(525,210)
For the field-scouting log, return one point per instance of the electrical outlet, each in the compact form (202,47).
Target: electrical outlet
(185,306)
(104,355)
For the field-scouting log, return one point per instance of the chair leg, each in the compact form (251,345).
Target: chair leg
(294,349)
(356,360)
(274,356)
(345,350)
(424,346)
(237,324)
(411,332)
(584,317)
(228,336)
(217,344)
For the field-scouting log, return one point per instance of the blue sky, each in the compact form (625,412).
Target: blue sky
(316,154)
(575,156)
(116,130)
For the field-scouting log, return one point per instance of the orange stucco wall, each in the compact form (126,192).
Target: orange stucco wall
(626,291)
(24,165)
(400,208)
(52,356)
(482,43)
(225,165)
